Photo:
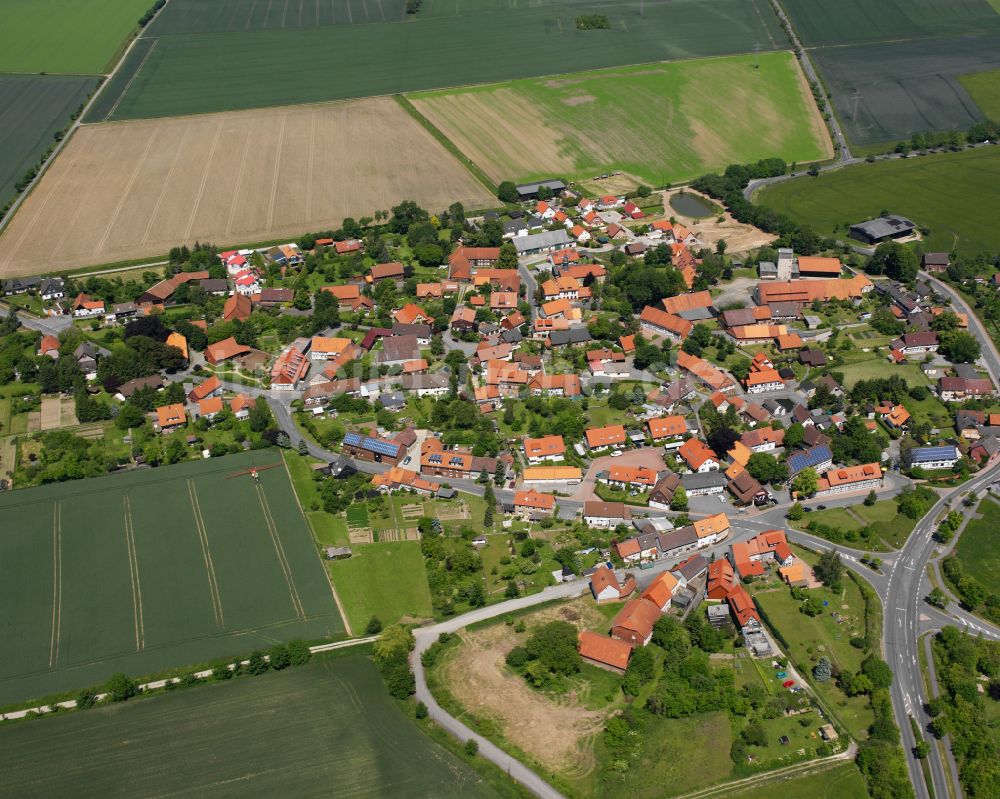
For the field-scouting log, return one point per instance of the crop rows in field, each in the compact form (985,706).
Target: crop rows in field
(153,570)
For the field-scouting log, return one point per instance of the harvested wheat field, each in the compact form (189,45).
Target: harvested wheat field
(128,190)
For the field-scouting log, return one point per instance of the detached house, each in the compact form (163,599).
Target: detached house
(698,456)
(604,437)
(546,448)
(668,429)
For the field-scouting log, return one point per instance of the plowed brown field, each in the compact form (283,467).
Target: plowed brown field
(129,190)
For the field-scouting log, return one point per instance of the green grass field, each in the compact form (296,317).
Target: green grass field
(65,36)
(676,756)
(385,580)
(977,548)
(658,122)
(839,782)
(459,42)
(324,729)
(153,570)
(32,109)
(809,638)
(951,194)
(984,87)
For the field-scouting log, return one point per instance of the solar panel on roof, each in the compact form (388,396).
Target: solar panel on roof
(352,438)
(379,446)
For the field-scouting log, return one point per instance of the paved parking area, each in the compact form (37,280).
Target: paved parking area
(651,457)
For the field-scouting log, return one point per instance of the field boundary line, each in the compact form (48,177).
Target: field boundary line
(206,553)
(131,80)
(438,135)
(272,530)
(133,565)
(56,584)
(326,572)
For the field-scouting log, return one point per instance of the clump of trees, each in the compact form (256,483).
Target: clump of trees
(391,654)
(548,656)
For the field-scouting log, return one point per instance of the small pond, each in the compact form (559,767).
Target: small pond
(691,205)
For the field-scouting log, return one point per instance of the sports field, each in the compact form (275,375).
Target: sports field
(324,729)
(954,194)
(68,36)
(984,88)
(32,109)
(448,43)
(893,66)
(656,122)
(152,570)
(129,190)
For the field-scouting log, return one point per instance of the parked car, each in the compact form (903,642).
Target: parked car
(821,507)
(788,683)
(407,459)
(616,454)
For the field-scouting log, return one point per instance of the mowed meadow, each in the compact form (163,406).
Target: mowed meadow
(656,122)
(129,190)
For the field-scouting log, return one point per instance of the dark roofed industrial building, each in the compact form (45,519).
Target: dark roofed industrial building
(875,231)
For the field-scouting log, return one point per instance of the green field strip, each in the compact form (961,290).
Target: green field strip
(251,582)
(329,729)
(33,108)
(314,587)
(28,593)
(280,552)
(98,609)
(178,601)
(206,72)
(65,36)
(133,567)
(185,581)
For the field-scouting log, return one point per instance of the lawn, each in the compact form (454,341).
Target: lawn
(977,549)
(656,122)
(67,36)
(985,90)
(309,731)
(809,638)
(842,781)
(385,580)
(446,44)
(677,756)
(951,194)
(152,570)
(890,523)
(32,109)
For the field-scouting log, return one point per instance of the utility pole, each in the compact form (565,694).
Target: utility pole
(756,56)
(854,113)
